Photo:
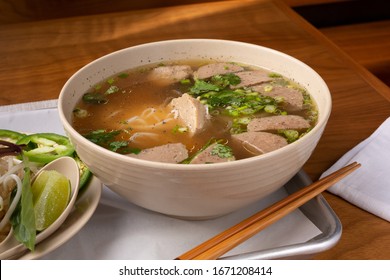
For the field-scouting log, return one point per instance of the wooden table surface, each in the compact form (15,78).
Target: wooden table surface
(36,59)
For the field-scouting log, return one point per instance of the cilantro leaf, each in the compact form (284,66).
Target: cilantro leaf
(101,137)
(216,83)
(201,86)
(123,75)
(94,98)
(223,81)
(222,151)
(114,146)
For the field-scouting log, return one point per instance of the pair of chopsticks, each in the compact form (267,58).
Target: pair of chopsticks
(230,238)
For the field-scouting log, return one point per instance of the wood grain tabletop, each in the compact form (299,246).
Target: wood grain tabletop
(37,58)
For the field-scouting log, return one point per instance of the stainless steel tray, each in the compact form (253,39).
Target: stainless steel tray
(316,210)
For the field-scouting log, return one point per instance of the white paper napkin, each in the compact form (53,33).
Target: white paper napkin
(368,187)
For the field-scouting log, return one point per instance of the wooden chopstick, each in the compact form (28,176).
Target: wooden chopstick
(230,238)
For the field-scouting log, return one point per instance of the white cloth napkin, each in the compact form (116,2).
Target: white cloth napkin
(368,187)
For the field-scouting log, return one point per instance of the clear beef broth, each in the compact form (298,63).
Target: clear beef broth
(135,107)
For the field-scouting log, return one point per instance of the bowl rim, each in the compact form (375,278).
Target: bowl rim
(321,122)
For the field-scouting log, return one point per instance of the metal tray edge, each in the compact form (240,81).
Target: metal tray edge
(319,212)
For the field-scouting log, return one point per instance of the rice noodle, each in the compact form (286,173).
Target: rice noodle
(148,111)
(155,125)
(113,114)
(142,134)
(149,120)
(132,119)
(12,169)
(15,200)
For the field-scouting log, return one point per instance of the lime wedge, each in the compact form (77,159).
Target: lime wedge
(51,193)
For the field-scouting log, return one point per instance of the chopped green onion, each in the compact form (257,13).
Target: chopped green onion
(180,129)
(112,89)
(123,75)
(270,108)
(80,113)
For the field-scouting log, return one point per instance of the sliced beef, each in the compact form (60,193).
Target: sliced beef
(213,69)
(278,122)
(292,98)
(259,142)
(210,156)
(170,74)
(191,111)
(169,153)
(250,78)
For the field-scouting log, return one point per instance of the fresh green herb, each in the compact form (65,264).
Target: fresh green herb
(201,86)
(290,135)
(128,150)
(221,99)
(116,145)
(270,109)
(312,116)
(179,129)
(94,98)
(216,83)
(312,112)
(237,103)
(222,151)
(223,81)
(279,99)
(23,218)
(123,75)
(111,90)
(219,150)
(110,81)
(304,133)
(205,146)
(244,120)
(102,137)
(280,82)
(307,99)
(274,75)
(239,125)
(185,81)
(80,113)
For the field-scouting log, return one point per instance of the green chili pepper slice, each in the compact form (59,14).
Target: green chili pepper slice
(45,147)
(10,136)
(85,173)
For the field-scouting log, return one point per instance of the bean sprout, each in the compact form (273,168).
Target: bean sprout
(12,169)
(15,201)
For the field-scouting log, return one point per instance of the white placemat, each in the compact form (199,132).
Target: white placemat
(121,230)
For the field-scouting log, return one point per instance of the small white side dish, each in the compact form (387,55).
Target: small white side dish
(69,168)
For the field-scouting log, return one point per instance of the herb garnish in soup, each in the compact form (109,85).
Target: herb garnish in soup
(195,112)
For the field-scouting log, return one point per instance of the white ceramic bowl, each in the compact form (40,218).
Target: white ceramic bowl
(194,191)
